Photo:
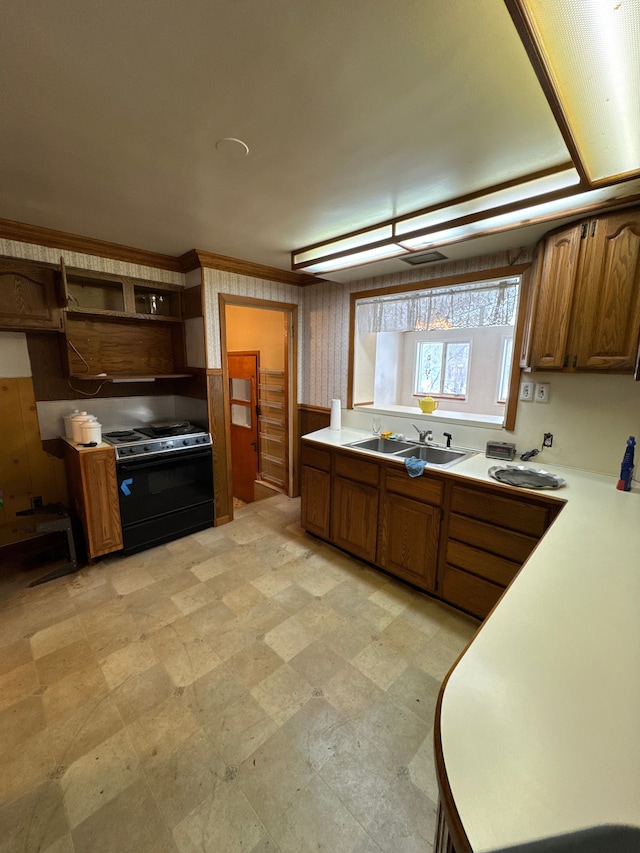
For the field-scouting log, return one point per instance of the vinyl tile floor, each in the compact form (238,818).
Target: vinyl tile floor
(246,688)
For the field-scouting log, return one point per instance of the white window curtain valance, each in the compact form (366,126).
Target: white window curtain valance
(460,307)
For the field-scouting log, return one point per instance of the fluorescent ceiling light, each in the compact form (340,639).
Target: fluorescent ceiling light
(573,205)
(508,195)
(378,253)
(585,53)
(382,232)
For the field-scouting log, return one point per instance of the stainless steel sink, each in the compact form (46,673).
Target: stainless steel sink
(442,456)
(382,445)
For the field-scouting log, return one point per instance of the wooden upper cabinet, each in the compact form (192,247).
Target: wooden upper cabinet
(106,295)
(607,317)
(117,327)
(552,299)
(584,308)
(28,297)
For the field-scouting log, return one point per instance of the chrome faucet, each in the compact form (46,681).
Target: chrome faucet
(424,435)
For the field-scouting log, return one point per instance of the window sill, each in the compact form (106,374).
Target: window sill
(460,418)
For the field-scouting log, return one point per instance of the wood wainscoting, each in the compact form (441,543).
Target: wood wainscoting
(218,401)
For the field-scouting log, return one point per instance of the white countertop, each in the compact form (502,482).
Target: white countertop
(101,445)
(540,718)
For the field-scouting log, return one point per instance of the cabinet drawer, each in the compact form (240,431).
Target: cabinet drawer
(348,465)
(422,488)
(512,513)
(506,543)
(316,457)
(488,566)
(469,592)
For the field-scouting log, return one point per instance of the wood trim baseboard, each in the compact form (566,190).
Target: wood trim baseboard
(24,233)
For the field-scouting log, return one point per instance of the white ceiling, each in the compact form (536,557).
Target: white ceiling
(354,112)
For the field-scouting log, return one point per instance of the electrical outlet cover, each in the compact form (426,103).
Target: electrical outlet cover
(542,392)
(526,391)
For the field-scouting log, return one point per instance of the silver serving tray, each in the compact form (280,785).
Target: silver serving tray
(526,478)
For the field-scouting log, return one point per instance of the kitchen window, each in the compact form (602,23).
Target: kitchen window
(442,368)
(451,339)
(505,370)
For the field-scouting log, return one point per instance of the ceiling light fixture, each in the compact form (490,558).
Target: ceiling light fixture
(585,53)
(232,147)
(383,240)
(496,210)
(354,259)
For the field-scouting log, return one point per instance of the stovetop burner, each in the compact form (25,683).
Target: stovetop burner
(121,435)
(165,430)
(168,437)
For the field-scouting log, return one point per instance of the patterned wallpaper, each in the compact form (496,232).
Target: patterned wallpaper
(44,254)
(217,281)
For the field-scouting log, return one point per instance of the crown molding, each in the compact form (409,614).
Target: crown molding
(23,233)
(198,258)
(191,260)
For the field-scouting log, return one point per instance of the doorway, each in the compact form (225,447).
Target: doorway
(243,416)
(259,354)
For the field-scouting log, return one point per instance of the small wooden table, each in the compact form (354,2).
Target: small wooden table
(34,523)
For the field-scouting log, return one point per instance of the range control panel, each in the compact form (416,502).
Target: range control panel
(161,445)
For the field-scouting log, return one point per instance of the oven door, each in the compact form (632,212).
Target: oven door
(157,487)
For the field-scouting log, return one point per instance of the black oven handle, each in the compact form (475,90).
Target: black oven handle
(170,457)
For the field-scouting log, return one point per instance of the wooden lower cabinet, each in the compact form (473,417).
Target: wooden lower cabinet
(354,517)
(316,501)
(465,543)
(410,515)
(315,490)
(408,540)
(488,538)
(469,591)
(93,490)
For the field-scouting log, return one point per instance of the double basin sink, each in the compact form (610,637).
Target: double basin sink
(442,457)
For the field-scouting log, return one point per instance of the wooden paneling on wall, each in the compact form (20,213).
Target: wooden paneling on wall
(312,418)
(218,403)
(26,470)
(47,356)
